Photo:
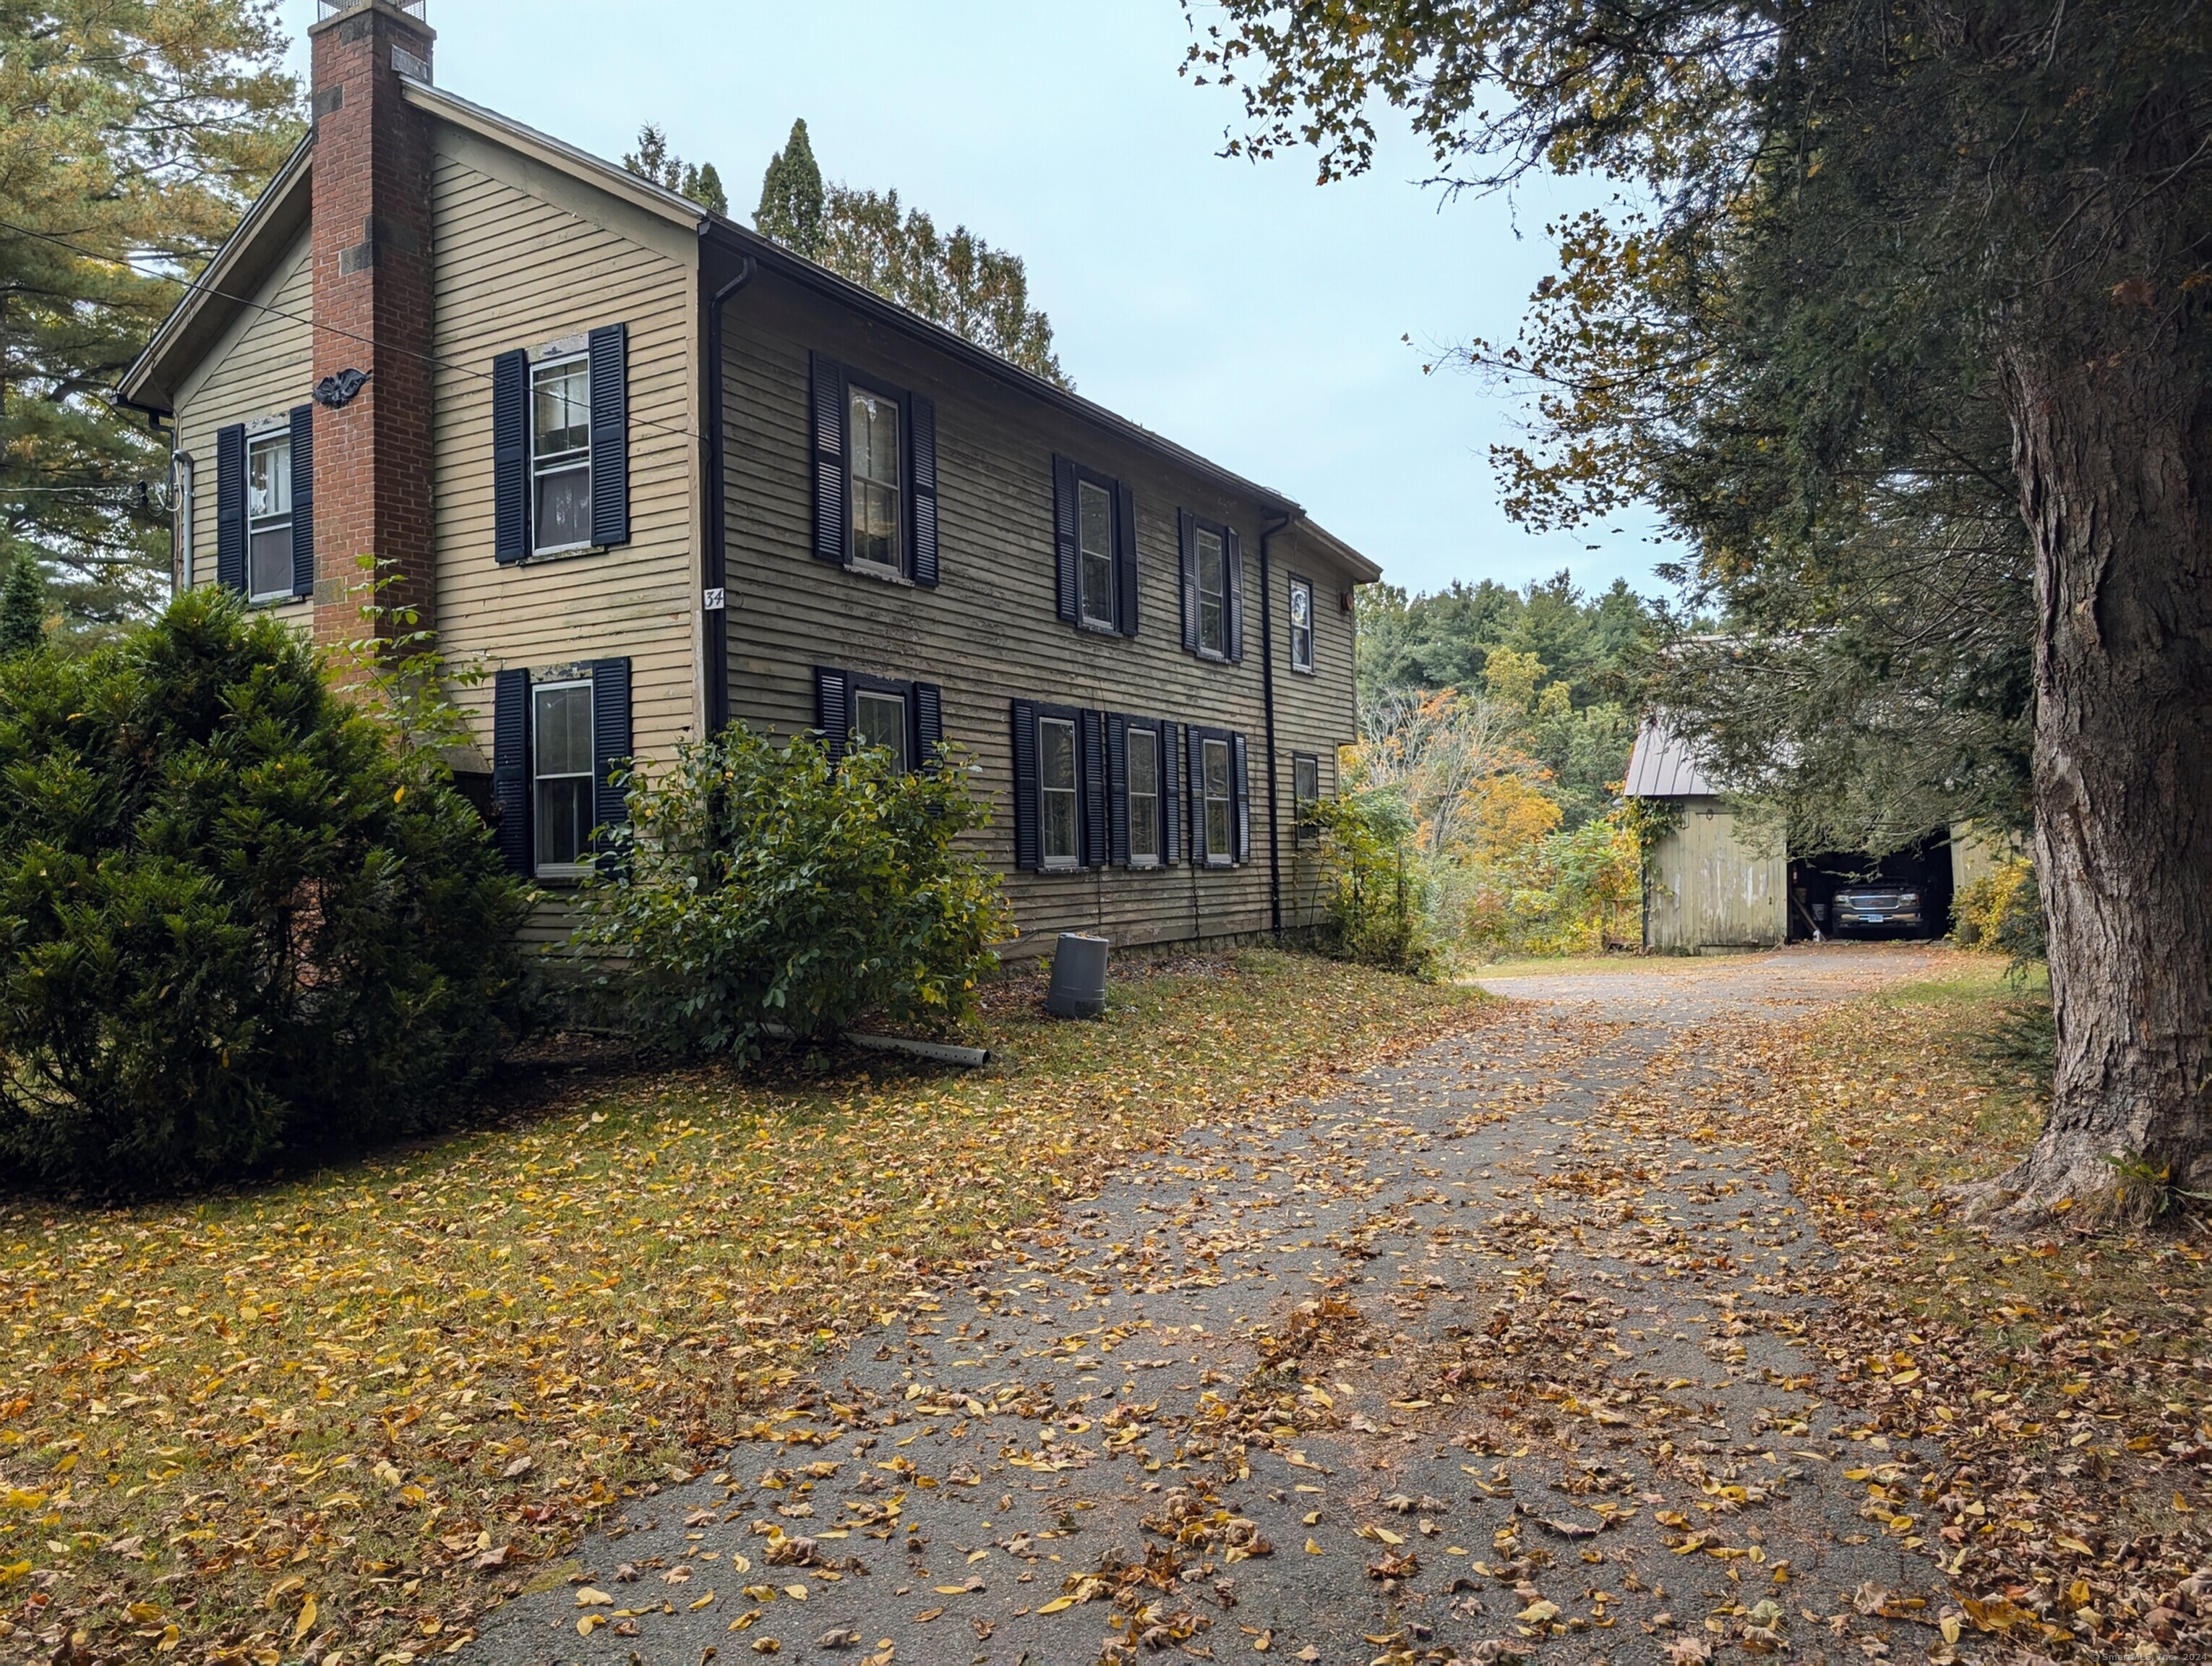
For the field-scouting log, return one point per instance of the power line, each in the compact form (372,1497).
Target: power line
(203,287)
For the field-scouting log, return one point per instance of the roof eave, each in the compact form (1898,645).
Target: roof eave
(281,208)
(775,258)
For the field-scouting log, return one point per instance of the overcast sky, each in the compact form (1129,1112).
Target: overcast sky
(1235,307)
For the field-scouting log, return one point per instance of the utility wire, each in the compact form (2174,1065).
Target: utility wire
(207,288)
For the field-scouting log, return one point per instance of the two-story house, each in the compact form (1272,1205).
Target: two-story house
(661,473)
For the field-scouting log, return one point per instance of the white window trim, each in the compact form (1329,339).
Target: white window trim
(566,680)
(1307,666)
(1047,862)
(572,350)
(1129,799)
(1206,801)
(1198,582)
(270,432)
(184,506)
(895,569)
(904,701)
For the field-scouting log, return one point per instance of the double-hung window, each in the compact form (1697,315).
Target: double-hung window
(1216,791)
(1058,790)
(873,423)
(1094,515)
(1306,797)
(561,454)
(268,517)
(1212,593)
(1302,625)
(879,719)
(1144,797)
(561,757)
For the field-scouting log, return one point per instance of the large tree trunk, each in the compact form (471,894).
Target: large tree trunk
(2113,445)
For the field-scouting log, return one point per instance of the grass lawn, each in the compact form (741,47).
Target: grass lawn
(2062,1375)
(339,1414)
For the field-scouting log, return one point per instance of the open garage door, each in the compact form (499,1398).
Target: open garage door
(1852,894)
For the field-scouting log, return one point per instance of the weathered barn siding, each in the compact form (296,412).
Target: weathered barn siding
(1975,854)
(526,256)
(259,368)
(989,634)
(1707,884)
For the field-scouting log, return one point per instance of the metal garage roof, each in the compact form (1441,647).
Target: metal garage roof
(1663,766)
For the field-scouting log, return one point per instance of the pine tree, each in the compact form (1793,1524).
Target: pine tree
(653,160)
(791,203)
(22,608)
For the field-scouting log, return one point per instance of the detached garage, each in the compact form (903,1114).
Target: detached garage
(1713,882)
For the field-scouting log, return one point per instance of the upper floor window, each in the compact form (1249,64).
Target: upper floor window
(269,516)
(1144,796)
(873,423)
(1058,844)
(561,454)
(561,759)
(1213,593)
(1302,625)
(1095,552)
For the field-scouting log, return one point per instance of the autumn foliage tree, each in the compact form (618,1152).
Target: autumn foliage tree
(1905,328)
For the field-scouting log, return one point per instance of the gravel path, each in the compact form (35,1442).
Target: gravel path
(1461,1364)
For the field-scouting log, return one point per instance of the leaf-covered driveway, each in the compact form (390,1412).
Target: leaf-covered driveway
(1467,1362)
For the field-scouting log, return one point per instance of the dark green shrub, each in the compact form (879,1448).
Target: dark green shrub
(1374,885)
(238,915)
(763,884)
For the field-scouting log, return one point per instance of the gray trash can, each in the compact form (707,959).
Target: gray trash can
(1078,976)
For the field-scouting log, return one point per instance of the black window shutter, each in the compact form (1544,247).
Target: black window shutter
(833,709)
(1232,559)
(1171,799)
(1117,789)
(1241,783)
(1125,560)
(510,456)
(1194,754)
(1093,729)
(610,435)
(510,766)
(928,723)
(230,507)
(831,542)
(1026,785)
(611,741)
(1187,544)
(922,426)
(1064,536)
(303,500)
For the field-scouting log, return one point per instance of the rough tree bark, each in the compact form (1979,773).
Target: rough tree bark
(2113,447)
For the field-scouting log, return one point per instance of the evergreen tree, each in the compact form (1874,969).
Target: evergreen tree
(132,135)
(653,160)
(23,607)
(791,200)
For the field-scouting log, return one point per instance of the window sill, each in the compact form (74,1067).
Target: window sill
(1211,657)
(1144,865)
(881,574)
(563,877)
(1302,671)
(275,599)
(1060,867)
(1098,627)
(562,553)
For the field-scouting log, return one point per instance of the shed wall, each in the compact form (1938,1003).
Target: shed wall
(1708,886)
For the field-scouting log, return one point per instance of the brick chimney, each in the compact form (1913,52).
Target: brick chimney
(373,311)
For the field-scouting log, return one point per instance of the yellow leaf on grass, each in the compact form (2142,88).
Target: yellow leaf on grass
(305,1622)
(2182,1504)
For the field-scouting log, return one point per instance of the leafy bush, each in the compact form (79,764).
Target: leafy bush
(1376,911)
(2001,913)
(758,883)
(238,916)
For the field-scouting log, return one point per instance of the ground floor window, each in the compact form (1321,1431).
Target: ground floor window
(1219,820)
(1144,797)
(1306,797)
(1057,820)
(561,754)
(879,719)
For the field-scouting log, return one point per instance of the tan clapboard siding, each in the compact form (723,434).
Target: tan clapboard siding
(259,368)
(1314,711)
(516,269)
(989,634)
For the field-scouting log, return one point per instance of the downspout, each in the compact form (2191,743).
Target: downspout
(714,576)
(1267,700)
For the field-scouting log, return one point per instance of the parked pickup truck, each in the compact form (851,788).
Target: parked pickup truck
(1879,908)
